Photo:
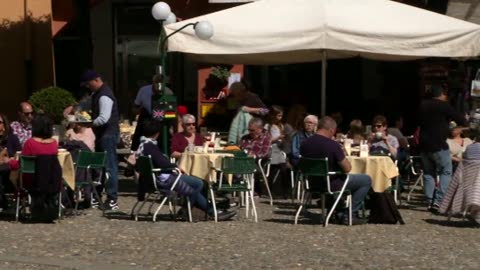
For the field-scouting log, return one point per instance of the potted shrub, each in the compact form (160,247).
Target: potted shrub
(216,82)
(52,101)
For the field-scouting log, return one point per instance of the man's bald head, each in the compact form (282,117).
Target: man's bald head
(25,112)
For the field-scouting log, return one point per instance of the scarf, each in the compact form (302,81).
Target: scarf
(143,141)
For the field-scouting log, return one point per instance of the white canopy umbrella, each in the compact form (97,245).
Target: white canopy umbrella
(293,31)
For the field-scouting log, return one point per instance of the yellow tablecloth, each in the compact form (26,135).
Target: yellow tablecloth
(202,165)
(380,169)
(66,162)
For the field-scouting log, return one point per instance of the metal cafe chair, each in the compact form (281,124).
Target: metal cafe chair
(148,174)
(89,161)
(244,167)
(27,166)
(318,168)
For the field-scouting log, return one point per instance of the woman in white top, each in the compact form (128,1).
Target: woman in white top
(457,145)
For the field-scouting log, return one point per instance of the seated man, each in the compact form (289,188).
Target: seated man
(187,185)
(321,145)
(257,142)
(309,126)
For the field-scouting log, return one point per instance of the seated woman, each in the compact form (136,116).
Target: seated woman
(380,141)
(457,145)
(356,131)
(41,142)
(181,140)
(9,145)
(188,185)
(82,133)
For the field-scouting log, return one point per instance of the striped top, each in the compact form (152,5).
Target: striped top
(472,152)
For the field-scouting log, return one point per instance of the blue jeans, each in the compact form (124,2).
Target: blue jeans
(436,164)
(359,185)
(108,143)
(197,198)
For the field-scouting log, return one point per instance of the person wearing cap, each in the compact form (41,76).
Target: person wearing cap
(105,117)
(143,106)
(435,115)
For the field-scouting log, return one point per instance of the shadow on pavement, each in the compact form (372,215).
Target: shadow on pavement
(453,223)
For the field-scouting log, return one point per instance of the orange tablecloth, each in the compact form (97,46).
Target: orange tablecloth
(381,170)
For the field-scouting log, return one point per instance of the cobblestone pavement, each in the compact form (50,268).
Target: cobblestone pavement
(90,241)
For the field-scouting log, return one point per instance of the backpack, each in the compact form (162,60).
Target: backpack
(383,209)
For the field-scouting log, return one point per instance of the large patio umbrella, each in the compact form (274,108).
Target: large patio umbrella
(294,31)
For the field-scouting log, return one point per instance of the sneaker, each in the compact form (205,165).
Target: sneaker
(94,203)
(223,215)
(112,205)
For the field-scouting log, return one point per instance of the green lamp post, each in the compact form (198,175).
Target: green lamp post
(167,104)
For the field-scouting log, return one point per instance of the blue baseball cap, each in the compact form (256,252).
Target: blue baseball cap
(88,76)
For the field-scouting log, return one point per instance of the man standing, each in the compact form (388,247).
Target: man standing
(105,126)
(143,106)
(435,115)
(321,145)
(23,127)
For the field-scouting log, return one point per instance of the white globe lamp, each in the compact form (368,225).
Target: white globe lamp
(171,19)
(161,11)
(203,30)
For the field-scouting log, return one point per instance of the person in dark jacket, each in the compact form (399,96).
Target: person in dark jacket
(435,115)
(9,145)
(187,185)
(105,127)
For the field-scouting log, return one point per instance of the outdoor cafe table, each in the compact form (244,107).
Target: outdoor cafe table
(66,162)
(202,165)
(380,168)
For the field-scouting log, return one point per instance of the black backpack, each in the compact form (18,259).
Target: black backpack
(383,209)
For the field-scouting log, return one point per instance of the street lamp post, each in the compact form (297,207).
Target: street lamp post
(203,30)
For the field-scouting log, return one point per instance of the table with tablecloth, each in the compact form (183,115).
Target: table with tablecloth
(202,165)
(380,168)
(66,162)
(463,193)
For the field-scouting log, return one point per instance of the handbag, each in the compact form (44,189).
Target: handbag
(383,209)
(475,89)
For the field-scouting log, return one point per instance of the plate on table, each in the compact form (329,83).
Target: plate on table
(60,150)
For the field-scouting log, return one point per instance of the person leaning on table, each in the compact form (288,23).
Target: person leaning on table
(187,185)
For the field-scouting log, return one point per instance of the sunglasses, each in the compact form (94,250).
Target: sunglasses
(189,124)
(378,126)
(27,113)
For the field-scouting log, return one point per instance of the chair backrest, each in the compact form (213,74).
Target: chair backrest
(416,164)
(238,165)
(236,153)
(144,165)
(313,166)
(94,160)
(27,164)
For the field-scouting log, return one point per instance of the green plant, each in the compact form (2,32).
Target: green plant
(221,73)
(52,101)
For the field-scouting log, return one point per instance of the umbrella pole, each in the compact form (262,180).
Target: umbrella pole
(324,84)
